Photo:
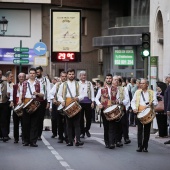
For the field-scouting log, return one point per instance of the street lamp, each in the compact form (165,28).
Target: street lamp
(3,25)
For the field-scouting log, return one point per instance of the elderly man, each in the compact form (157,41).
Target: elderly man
(142,99)
(87,90)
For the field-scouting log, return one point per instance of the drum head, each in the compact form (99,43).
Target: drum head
(144,113)
(110,108)
(19,106)
(70,105)
(28,103)
(60,107)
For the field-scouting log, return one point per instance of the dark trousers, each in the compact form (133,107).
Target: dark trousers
(30,126)
(62,132)
(16,122)
(54,121)
(9,117)
(122,127)
(109,130)
(4,119)
(73,122)
(143,134)
(162,124)
(87,111)
(42,111)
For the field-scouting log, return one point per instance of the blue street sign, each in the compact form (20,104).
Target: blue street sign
(40,48)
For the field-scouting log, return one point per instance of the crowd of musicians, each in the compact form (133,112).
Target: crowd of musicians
(72,103)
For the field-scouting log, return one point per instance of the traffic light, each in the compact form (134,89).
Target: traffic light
(146,44)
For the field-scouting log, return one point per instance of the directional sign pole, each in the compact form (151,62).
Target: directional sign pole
(20,65)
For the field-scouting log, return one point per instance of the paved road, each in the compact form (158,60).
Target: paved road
(92,156)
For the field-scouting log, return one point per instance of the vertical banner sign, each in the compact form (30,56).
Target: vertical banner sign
(124,57)
(65,35)
(153,71)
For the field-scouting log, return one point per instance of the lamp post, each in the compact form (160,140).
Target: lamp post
(3,25)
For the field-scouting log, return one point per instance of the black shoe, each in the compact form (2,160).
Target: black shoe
(5,139)
(127,141)
(66,140)
(88,134)
(119,144)
(145,150)
(39,138)
(70,144)
(106,145)
(15,141)
(167,142)
(33,145)
(139,149)
(26,144)
(82,136)
(53,136)
(112,146)
(79,143)
(60,141)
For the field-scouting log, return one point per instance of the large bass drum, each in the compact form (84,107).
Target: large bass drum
(19,109)
(112,112)
(31,106)
(72,109)
(146,116)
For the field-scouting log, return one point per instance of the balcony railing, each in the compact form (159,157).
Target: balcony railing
(132,21)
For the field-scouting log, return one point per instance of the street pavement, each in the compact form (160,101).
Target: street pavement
(49,155)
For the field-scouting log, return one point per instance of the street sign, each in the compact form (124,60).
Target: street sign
(22,55)
(23,49)
(18,61)
(40,48)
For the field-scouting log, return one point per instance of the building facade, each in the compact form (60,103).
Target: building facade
(29,21)
(122,25)
(160,35)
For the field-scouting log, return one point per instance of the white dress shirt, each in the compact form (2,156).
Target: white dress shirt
(46,87)
(32,87)
(53,90)
(19,90)
(83,89)
(142,102)
(72,88)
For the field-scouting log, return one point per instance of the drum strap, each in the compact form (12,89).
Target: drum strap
(69,91)
(144,98)
(29,88)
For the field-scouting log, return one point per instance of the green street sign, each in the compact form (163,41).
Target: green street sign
(18,61)
(124,57)
(21,55)
(23,49)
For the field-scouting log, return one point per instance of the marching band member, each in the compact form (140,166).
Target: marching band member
(61,120)
(9,77)
(32,89)
(109,96)
(45,104)
(69,91)
(142,99)
(14,98)
(87,90)
(122,126)
(4,108)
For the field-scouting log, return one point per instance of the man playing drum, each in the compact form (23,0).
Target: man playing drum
(32,89)
(143,99)
(109,96)
(87,90)
(14,98)
(69,92)
(61,120)
(45,104)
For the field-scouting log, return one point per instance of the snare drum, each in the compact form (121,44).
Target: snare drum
(72,109)
(112,112)
(19,109)
(31,106)
(146,116)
